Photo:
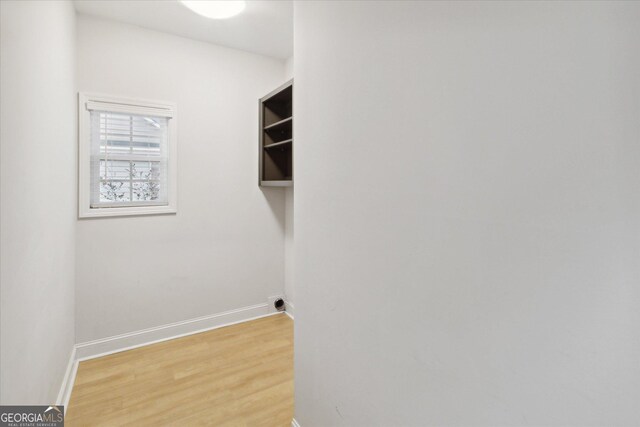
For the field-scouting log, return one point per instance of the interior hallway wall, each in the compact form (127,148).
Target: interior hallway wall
(225,247)
(289,252)
(288,229)
(38,198)
(467,213)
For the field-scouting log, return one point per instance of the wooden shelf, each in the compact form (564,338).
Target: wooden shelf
(288,183)
(276,137)
(279,144)
(280,123)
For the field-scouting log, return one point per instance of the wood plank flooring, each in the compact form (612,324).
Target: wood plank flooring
(240,375)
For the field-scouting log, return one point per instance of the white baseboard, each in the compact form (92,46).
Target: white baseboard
(128,341)
(67,382)
(289,309)
(294,423)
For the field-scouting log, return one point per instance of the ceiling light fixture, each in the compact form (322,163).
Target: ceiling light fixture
(215,9)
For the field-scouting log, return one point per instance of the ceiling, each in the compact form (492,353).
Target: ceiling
(264,27)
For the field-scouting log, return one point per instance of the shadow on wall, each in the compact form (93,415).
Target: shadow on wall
(275,197)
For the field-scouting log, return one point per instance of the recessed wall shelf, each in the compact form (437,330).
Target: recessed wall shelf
(276,137)
(282,123)
(277,144)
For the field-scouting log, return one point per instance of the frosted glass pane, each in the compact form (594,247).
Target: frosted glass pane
(115,191)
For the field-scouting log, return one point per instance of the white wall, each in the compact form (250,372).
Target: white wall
(288,68)
(289,252)
(225,247)
(38,198)
(467,213)
(288,223)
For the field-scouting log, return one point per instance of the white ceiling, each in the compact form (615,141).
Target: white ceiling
(264,27)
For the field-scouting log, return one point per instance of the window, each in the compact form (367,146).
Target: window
(127,156)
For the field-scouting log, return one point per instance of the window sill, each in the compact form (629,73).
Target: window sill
(127,211)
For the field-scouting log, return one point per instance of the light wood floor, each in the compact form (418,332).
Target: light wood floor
(240,375)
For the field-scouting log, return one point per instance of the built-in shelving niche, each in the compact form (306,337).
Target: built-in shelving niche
(276,137)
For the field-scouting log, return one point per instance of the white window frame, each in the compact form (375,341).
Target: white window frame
(131,106)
